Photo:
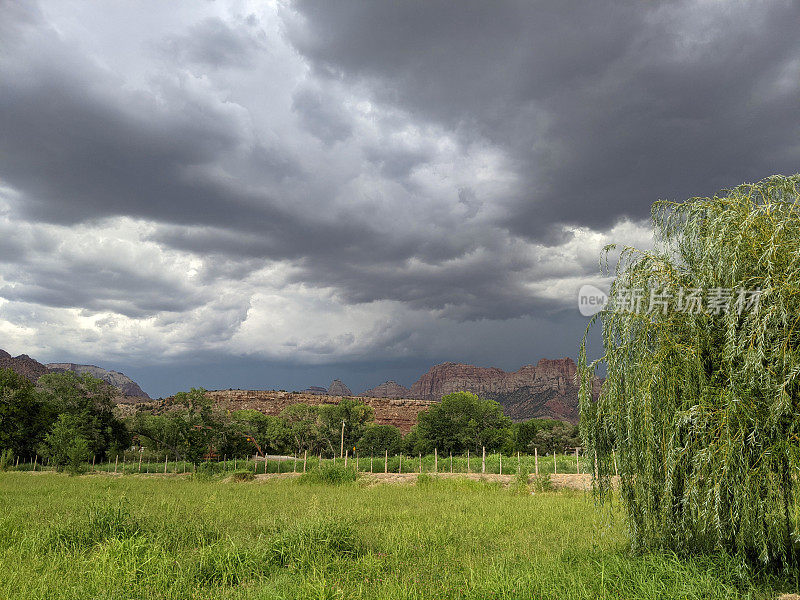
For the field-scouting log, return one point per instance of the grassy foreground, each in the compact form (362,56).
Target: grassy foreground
(179,537)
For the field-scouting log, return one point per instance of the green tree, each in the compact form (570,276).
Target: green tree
(190,429)
(66,445)
(249,430)
(702,406)
(522,434)
(303,422)
(355,416)
(89,404)
(555,438)
(462,421)
(24,418)
(379,438)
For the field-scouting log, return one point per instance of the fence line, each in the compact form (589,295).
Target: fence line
(491,463)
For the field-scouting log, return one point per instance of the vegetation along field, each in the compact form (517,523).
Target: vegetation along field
(100,536)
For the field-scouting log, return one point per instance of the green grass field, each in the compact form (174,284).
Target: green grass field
(100,536)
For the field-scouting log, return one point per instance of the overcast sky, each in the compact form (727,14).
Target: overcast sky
(273,194)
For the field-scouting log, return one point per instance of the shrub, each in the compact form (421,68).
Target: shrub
(520,483)
(330,475)
(542,483)
(242,475)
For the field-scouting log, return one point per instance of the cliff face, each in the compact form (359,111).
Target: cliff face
(23,365)
(388,389)
(125,384)
(402,413)
(337,388)
(548,389)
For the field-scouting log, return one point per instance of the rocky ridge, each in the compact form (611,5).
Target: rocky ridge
(125,384)
(388,389)
(32,369)
(547,389)
(400,412)
(337,388)
(23,365)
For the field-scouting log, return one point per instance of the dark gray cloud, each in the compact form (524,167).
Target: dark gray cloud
(605,106)
(361,179)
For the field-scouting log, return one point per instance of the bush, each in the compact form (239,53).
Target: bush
(520,483)
(329,475)
(242,475)
(542,483)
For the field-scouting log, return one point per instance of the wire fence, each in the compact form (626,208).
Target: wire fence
(137,462)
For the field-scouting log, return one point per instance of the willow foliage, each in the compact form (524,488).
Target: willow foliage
(701,409)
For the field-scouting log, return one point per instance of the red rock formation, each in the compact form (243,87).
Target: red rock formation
(549,389)
(337,388)
(388,389)
(400,412)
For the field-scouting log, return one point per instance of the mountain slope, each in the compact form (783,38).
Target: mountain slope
(23,365)
(126,385)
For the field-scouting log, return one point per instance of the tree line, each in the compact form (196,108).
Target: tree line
(69,419)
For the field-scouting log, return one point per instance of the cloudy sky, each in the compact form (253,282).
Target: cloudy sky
(273,194)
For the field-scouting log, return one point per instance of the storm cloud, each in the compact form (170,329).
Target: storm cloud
(358,182)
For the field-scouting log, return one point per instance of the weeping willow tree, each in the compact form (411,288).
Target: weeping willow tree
(701,404)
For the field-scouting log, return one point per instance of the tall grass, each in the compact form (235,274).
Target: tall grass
(146,537)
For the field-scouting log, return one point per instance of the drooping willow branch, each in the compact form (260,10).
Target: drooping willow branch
(702,408)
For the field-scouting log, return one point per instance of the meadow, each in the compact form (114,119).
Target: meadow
(140,536)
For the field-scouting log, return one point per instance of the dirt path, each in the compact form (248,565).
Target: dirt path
(576,482)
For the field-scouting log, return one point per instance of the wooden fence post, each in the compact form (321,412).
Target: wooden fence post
(141,451)
(555,464)
(371,470)
(615,463)
(116,462)
(435,460)
(577,461)
(294,469)
(305,458)
(93,457)
(165,465)
(536,459)
(483,460)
